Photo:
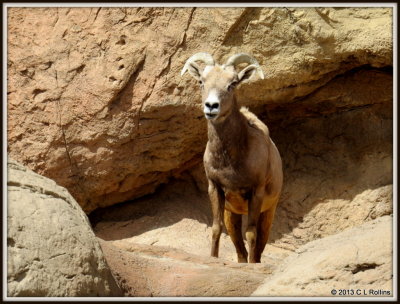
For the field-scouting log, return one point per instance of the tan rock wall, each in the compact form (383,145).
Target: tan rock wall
(95,100)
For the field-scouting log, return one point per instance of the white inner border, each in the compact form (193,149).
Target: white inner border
(201,299)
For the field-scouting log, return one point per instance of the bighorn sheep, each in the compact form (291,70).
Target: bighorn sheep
(242,163)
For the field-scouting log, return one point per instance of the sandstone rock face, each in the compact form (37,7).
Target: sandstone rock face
(51,249)
(357,260)
(96,102)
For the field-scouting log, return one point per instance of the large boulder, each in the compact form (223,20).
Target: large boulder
(355,262)
(96,102)
(51,249)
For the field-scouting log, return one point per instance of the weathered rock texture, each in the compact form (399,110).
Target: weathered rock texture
(95,100)
(51,249)
(355,259)
(154,271)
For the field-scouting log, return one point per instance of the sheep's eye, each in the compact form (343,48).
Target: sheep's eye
(232,86)
(201,84)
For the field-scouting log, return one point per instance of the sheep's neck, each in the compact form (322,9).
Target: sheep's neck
(228,139)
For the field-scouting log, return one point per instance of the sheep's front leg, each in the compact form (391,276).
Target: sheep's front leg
(253,216)
(217,205)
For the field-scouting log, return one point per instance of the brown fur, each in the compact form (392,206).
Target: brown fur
(242,164)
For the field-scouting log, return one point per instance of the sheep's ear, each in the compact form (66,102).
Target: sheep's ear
(247,72)
(194,70)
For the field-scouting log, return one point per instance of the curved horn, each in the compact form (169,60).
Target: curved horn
(204,57)
(245,58)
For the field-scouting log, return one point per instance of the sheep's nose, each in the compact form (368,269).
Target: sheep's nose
(212,105)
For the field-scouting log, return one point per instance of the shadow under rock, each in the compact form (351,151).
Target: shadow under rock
(170,204)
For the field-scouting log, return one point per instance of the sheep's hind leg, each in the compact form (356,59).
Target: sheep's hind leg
(263,230)
(252,220)
(233,223)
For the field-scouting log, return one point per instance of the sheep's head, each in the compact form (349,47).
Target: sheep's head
(217,82)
